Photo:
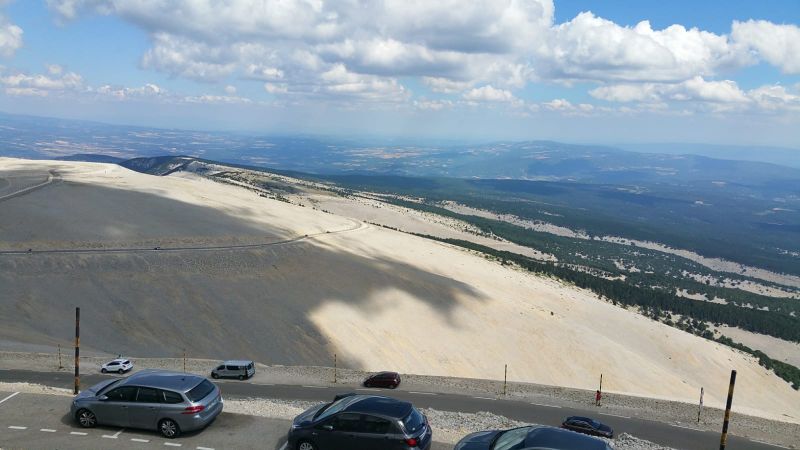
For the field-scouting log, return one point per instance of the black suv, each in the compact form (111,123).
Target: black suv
(361,422)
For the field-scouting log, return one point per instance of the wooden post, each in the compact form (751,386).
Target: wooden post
(184,360)
(505,379)
(60,366)
(724,438)
(700,408)
(334,368)
(77,386)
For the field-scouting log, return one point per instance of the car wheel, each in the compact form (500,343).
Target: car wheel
(214,376)
(103,370)
(241,377)
(86,418)
(121,371)
(306,445)
(169,429)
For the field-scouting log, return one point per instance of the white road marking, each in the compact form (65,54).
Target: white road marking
(315,387)
(767,443)
(283,447)
(48,430)
(113,436)
(78,433)
(209,448)
(421,393)
(615,415)
(546,406)
(140,440)
(7,398)
(367,389)
(15,427)
(685,428)
(485,398)
(172,444)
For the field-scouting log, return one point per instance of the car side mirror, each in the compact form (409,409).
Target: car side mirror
(327,427)
(102,398)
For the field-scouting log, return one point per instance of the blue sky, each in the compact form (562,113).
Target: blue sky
(577,71)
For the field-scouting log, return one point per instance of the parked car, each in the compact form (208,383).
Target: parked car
(383,379)
(587,426)
(240,369)
(530,437)
(361,422)
(170,402)
(119,365)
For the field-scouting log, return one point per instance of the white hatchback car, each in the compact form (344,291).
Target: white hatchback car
(118,365)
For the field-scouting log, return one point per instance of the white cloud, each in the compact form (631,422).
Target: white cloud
(127,93)
(489,93)
(10,36)
(230,90)
(433,105)
(276,88)
(40,85)
(217,99)
(777,44)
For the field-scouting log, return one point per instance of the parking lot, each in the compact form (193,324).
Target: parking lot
(43,421)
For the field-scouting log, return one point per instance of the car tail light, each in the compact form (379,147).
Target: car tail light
(411,442)
(193,409)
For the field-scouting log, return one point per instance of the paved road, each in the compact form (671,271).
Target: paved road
(674,436)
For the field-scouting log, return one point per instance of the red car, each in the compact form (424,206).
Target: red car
(384,380)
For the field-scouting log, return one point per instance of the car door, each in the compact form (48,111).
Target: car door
(143,412)
(377,433)
(114,409)
(343,434)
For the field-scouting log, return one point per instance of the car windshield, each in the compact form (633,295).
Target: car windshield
(200,391)
(511,439)
(333,408)
(108,387)
(414,421)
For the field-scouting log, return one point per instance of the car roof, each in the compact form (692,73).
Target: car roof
(237,362)
(544,437)
(162,379)
(378,374)
(118,360)
(375,404)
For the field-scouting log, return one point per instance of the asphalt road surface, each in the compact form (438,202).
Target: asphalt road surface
(679,437)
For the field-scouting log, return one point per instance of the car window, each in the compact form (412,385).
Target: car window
(112,363)
(200,391)
(126,362)
(333,408)
(347,422)
(171,397)
(413,421)
(221,368)
(376,425)
(250,366)
(147,395)
(232,368)
(122,394)
(511,439)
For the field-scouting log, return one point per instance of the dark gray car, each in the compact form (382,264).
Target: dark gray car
(170,402)
(531,438)
(361,422)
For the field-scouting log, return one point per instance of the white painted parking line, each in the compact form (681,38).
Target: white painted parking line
(172,444)
(545,405)
(485,398)
(421,393)
(315,387)
(10,396)
(15,427)
(113,436)
(283,447)
(614,415)
(78,433)
(367,389)
(140,440)
(48,430)
(209,448)
(685,428)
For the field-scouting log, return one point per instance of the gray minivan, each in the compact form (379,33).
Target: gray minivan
(240,369)
(170,402)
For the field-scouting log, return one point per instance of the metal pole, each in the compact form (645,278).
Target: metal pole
(700,408)
(334,368)
(77,350)
(184,360)
(505,379)
(724,438)
(60,366)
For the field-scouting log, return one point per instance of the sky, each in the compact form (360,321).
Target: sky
(612,71)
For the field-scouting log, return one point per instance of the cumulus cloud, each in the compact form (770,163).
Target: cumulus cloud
(489,93)
(777,44)
(10,36)
(127,93)
(39,84)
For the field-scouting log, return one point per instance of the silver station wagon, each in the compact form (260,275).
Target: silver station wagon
(170,402)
